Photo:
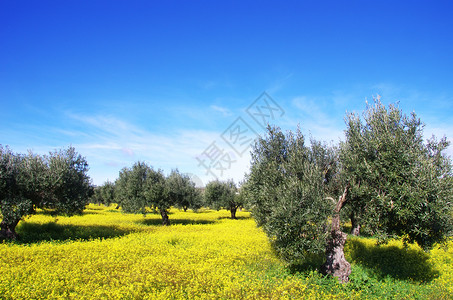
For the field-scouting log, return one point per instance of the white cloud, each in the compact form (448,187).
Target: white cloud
(310,108)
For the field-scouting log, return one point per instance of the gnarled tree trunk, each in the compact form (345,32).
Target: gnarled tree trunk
(8,229)
(164,215)
(336,264)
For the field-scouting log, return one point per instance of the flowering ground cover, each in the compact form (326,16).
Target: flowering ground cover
(105,254)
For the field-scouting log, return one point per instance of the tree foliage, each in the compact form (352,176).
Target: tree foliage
(58,181)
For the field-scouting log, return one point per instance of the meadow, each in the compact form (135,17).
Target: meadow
(106,254)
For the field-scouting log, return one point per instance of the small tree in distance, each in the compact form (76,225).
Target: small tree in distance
(140,187)
(104,194)
(220,194)
(183,192)
(132,185)
(108,193)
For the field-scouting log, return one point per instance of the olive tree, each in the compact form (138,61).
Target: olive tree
(220,194)
(183,192)
(58,181)
(140,187)
(133,185)
(394,182)
(69,184)
(400,184)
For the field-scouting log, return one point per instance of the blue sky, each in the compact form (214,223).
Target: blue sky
(168,82)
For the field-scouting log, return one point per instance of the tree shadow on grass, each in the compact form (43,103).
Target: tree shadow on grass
(311,262)
(155,222)
(237,218)
(386,260)
(52,231)
(87,212)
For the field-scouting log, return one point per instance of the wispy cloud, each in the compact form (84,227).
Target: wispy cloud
(112,143)
(128,152)
(223,110)
(316,118)
(310,108)
(279,83)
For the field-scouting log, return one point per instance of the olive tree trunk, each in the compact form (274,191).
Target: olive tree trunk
(8,229)
(233,212)
(164,215)
(355,225)
(336,264)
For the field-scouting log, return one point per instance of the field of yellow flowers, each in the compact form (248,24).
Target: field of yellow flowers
(105,254)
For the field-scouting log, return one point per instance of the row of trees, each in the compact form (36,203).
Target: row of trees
(57,181)
(141,186)
(141,189)
(383,176)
